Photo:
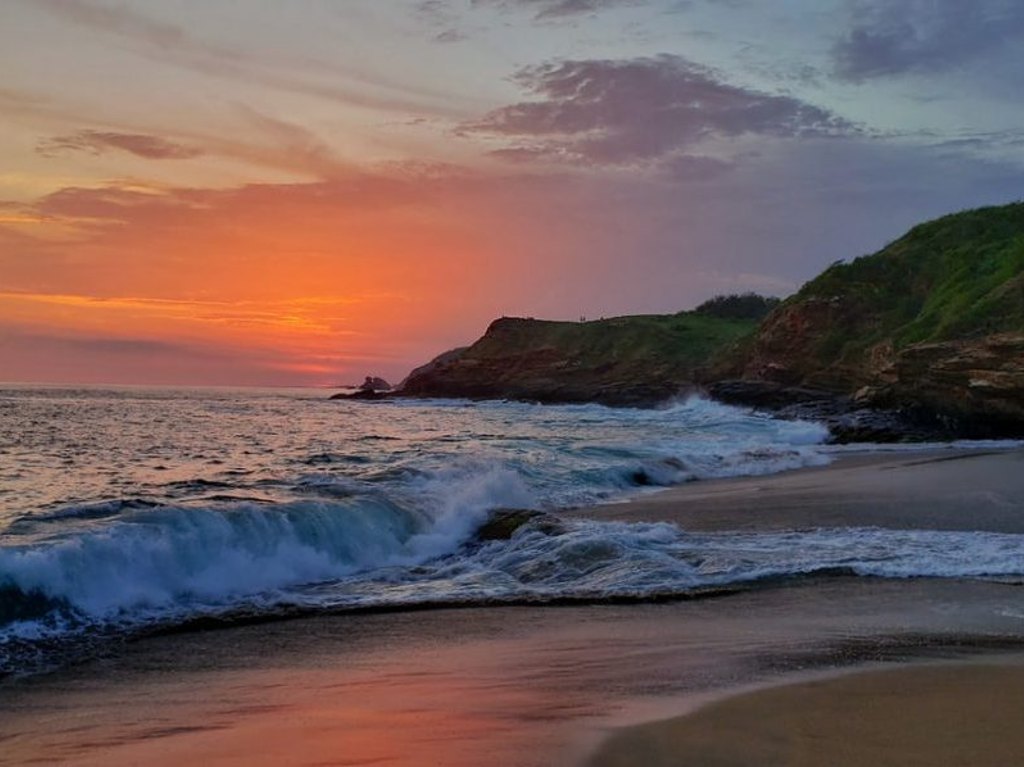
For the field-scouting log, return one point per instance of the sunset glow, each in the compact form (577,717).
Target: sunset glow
(306,193)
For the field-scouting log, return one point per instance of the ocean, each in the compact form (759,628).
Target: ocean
(131,511)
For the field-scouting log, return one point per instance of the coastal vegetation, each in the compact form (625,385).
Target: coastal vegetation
(617,361)
(931,325)
(956,278)
(739,306)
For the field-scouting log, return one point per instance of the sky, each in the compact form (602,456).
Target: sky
(308,192)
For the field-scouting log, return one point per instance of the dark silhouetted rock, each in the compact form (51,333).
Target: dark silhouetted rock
(375,383)
(503,523)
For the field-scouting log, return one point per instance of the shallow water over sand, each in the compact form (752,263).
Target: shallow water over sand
(511,687)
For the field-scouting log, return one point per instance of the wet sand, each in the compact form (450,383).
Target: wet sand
(933,490)
(508,687)
(945,716)
(526,687)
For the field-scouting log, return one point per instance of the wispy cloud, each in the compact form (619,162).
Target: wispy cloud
(554,9)
(97,142)
(171,43)
(307,314)
(442,21)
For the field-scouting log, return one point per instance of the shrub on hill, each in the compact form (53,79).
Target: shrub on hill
(738,306)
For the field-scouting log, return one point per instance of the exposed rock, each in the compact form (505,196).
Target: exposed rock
(767,395)
(977,384)
(372,389)
(375,383)
(929,332)
(623,361)
(848,419)
(503,523)
(365,395)
(425,372)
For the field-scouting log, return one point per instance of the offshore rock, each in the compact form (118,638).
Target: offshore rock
(375,383)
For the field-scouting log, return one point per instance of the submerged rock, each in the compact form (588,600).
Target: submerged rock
(503,523)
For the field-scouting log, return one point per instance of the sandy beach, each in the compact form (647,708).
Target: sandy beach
(532,686)
(934,716)
(947,489)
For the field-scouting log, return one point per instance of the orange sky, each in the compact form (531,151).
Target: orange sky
(307,193)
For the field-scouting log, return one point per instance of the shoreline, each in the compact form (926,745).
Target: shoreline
(952,714)
(533,686)
(927,489)
(510,687)
(847,716)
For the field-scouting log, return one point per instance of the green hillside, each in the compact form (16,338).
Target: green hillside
(932,324)
(623,360)
(959,276)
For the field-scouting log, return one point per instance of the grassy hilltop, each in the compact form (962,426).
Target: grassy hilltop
(619,361)
(958,278)
(933,323)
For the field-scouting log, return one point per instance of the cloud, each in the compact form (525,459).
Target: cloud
(117,20)
(97,142)
(892,38)
(130,346)
(553,9)
(268,142)
(40,353)
(696,167)
(557,9)
(641,111)
(441,19)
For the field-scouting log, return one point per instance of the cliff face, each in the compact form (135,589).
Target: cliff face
(932,323)
(977,381)
(637,360)
(930,330)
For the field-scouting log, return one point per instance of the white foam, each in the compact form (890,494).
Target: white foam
(171,558)
(615,559)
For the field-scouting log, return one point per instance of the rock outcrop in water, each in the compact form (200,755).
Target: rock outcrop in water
(375,383)
(373,388)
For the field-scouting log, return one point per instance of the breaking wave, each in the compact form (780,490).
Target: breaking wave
(383,513)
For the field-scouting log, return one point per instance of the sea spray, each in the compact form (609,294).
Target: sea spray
(164,560)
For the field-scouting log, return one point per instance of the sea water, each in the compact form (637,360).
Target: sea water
(129,510)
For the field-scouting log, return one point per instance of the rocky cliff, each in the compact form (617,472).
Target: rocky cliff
(922,340)
(932,325)
(639,360)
